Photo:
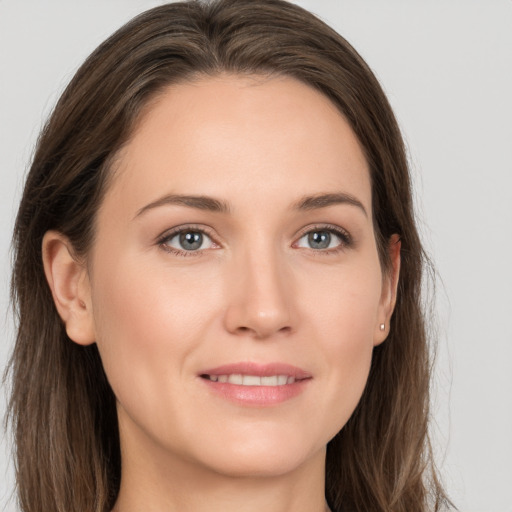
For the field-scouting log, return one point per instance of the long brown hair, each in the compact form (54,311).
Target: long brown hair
(62,408)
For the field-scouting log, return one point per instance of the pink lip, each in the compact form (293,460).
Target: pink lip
(261,370)
(259,396)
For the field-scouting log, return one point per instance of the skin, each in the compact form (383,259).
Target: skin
(255,291)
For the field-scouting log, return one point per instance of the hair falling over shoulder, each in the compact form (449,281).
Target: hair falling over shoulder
(62,409)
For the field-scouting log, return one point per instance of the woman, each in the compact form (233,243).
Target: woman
(218,278)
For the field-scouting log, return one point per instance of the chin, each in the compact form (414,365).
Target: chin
(262,466)
(261,456)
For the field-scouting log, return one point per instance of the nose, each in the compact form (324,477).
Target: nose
(260,302)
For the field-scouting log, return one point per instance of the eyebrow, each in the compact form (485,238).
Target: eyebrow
(199,202)
(215,205)
(324,200)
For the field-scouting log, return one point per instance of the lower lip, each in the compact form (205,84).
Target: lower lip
(262,396)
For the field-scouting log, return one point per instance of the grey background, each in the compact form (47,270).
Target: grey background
(447,69)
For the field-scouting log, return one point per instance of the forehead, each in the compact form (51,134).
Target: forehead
(233,135)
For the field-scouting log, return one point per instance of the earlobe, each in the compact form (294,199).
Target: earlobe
(69,284)
(389,290)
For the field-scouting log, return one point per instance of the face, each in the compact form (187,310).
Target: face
(235,286)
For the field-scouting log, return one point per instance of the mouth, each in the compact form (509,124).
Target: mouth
(253,384)
(252,380)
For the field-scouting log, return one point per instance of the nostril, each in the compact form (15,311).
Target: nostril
(261,319)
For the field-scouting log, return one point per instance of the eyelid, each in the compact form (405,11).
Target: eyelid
(344,236)
(172,232)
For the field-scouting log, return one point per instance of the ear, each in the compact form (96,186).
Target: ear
(69,283)
(389,290)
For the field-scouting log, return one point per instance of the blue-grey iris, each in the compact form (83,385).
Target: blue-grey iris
(191,240)
(319,239)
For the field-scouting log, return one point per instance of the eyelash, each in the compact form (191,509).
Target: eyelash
(344,237)
(164,239)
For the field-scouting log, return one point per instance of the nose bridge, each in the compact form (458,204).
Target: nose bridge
(260,299)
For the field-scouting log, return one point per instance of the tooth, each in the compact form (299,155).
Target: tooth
(251,380)
(282,380)
(235,378)
(269,381)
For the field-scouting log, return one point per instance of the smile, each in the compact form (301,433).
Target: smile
(251,380)
(259,385)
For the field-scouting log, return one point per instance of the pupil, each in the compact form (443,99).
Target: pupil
(319,239)
(191,240)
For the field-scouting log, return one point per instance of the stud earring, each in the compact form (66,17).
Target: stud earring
(382,326)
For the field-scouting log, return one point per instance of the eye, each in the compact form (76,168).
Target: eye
(324,239)
(187,240)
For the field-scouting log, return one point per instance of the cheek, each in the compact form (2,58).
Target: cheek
(343,322)
(343,304)
(147,324)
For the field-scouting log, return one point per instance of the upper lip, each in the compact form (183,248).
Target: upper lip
(259,369)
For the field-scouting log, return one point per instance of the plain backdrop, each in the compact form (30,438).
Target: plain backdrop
(446,66)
